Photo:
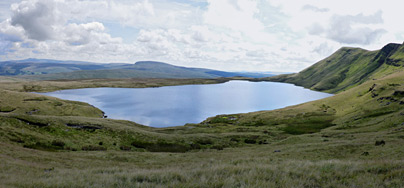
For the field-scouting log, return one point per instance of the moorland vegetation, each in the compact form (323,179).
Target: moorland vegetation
(352,139)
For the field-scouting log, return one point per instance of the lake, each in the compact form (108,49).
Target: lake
(178,105)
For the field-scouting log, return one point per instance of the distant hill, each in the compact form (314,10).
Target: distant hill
(45,69)
(46,66)
(347,67)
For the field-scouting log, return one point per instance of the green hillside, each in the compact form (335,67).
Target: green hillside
(348,67)
(44,69)
(137,70)
(47,66)
(120,73)
(352,139)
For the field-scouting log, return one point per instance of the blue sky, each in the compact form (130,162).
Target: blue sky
(234,35)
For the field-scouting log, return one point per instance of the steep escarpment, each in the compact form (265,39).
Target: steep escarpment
(348,67)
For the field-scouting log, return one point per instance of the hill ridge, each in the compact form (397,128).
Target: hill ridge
(152,63)
(45,69)
(347,67)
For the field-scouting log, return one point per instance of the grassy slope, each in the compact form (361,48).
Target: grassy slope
(41,120)
(332,157)
(58,70)
(7,79)
(325,143)
(122,73)
(46,86)
(346,68)
(54,70)
(37,66)
(343,127)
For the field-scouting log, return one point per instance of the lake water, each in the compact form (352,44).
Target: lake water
(178,105)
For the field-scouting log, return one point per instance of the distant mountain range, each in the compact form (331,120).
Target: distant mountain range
(47,69)
(348,67)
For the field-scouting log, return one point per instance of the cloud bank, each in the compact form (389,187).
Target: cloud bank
(237,35)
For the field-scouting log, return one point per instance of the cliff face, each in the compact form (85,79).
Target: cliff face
(348,67)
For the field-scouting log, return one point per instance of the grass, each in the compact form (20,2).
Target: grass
(53,70)
(48,142)
(294,166)
(347,68)
(47,86)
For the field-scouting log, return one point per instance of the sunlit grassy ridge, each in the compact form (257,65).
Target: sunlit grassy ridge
(353,139)
(348,67)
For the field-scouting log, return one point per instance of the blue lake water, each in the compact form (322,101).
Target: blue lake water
(178,105)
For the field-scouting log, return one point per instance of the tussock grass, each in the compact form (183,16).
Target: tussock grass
(250,167)
(325,143)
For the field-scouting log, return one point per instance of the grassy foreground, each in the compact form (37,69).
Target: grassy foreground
(353,139)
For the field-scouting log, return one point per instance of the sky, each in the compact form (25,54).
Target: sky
(230,35)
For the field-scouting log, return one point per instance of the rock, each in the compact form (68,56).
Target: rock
(32,111)
(250,141)
(398,93)
(125,148)
(263,142)
(380,143)
(77,126)
(234,140)
(365,153)
(49,169)
(371,88)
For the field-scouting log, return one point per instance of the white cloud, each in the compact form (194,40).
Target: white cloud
(11,33)
(314,8)
(323,49)
(348,29)
(263,35)
(36,17)
(125,12)
(315,29)
(202,34)
(236,15)
(81,34)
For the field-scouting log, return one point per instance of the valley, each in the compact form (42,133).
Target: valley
(352,139)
